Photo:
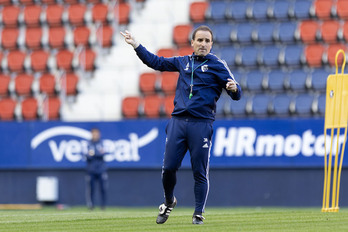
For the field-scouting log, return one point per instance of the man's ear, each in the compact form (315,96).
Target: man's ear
(191,42)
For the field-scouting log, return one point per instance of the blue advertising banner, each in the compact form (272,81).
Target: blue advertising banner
(140,143)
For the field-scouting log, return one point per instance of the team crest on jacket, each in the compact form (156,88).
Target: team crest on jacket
(204,68)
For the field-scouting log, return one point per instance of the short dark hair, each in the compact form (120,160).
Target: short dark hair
(202,28)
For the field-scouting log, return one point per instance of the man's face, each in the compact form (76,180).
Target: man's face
(95,135)
(202,43)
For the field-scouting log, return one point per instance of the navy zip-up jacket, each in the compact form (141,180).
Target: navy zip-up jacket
(209,78)
(95,158)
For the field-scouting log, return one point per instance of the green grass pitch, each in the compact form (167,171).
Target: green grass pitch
(143,219)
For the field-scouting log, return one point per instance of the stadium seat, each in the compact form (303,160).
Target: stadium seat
(292,56)
(345,31)
(304,105)
(342,9)
(87,59)
(298,80)
(54,104)
(71,83)
(260,104)
(23,84)
(264,33)
(64,60)
(281,105)
(329,30)
(184,51)
(197,11)
(39,60)
(168,105)
(54,14)
(29,109)
(280,10)
(48,2)
(314,55)
(259,10)
(9,37)
(7,108)
(222,106)
(239,108)
(5,2)
(237,10)
(248,57)
(222,32)
(32,15)
(318,79)
(123,12)
(286,32)
(270,56)
(181,35)
(308,31)
(254,81)
(56,37)
(104,35)
(148,83)
(33,38)
(323,9)
(4,83)
(10,16)
(15,61)
(242,33)
(168,82)
(130,107)
(228,54)
(47,84)
(99,13)
(81,36)
(152,106)
(166,52)
(321,101)
(26,2)
(76,14)
(217,11)
(331,54)
(276,80)
(301,9)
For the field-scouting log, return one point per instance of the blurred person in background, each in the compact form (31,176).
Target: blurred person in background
(201,80)
(96,170)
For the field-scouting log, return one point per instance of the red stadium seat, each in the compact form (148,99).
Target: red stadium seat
(71,84)
(56,36)
(308,31)
(342,9)
(169,105)
(53,108)
(184,51)
(7,108)
(345,31)
(168,82)
(15,61)
(76,14)
(47,84)
(181,35)
(329,31)
(81,36)
(4,82)
(87,59)
(64,60)
(166,52)
(331,54)
(314,54)
(33,38)
(197,11)
(130,107)
(5,2)
(29,109)
(104,35)
(147,83)
(38,60)
(32,15)
(122,13)
(323,9)
(54,15)
(99,13)
(10,16)
(23,84)
(152,106)
(48,2)
(9,37)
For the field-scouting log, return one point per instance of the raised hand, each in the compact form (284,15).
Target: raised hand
(129,38)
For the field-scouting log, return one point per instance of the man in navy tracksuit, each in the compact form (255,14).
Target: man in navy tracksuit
(96,169)
(201,80)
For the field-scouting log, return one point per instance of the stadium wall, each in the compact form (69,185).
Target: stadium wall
(253,162)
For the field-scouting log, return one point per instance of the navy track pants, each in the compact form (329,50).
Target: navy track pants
(194,135)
